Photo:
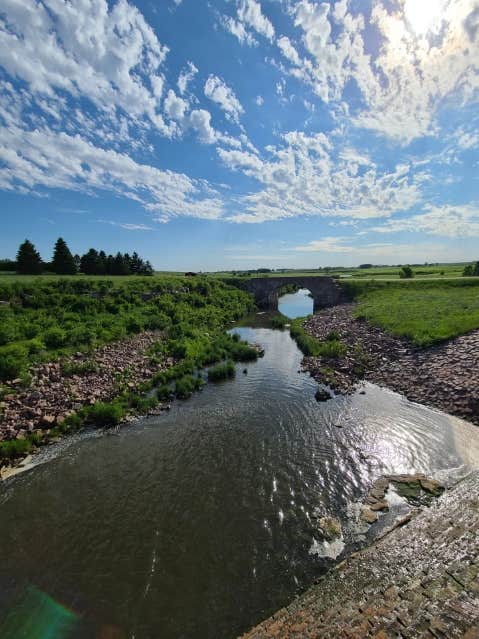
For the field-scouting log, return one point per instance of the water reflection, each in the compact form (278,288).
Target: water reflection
(297,304)
(199,523)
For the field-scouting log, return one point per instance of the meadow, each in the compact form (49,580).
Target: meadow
(425,312)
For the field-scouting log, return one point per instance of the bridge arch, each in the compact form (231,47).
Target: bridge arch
(325,290)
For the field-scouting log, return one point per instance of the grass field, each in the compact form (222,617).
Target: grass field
(383,273)
(424,312)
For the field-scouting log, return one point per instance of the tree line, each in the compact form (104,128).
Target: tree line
(93,262)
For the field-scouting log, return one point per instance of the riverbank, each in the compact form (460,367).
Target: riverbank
(421,580)
(444,376)
(59,389)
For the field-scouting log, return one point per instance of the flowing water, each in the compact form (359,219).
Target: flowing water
(201,522)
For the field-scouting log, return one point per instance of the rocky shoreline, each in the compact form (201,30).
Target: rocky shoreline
(445,376)
(419,580)
(59,389)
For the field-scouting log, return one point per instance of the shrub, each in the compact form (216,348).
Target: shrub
(164,393)
(221,371)
(185,386)
(406,272)
(80,368)
(12,361)
(103,414)
(279,321)
(35,346)
(54,337)
(333,336)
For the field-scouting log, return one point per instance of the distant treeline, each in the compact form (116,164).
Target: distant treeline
(93,262)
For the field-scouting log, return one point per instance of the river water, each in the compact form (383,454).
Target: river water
(198,523)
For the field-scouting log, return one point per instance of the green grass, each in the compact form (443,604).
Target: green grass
(331,348)
(382,273)
(425,313)
(224,370)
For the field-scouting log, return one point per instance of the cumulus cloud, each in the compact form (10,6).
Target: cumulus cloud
(108,55)
(453,221)
(307,175)
(425,57)
(217,91)
(249,18)
(33,160)
(186,76)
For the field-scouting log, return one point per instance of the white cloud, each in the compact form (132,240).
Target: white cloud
(249,17)
(186,76)
(426,57)
(108,55)
(128,226)
(217,91)
(453,221)
(350,252)
(43,158)
(259,100)
(307,175)
(250,13)
(174,107)
(200,121)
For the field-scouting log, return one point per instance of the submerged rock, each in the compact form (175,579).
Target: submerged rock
(322,395)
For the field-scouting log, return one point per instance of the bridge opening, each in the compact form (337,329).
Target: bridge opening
(296,304)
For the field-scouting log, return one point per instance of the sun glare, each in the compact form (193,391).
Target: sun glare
(421,15)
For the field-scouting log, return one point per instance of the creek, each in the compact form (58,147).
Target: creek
(200,522)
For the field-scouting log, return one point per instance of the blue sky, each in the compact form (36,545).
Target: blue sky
(242,133)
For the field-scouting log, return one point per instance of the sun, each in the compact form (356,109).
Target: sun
(421,16)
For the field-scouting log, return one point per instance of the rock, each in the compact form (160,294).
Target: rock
(368,515)
(322,395)
(379,505)
(330,527)
(48,419)
(432,486)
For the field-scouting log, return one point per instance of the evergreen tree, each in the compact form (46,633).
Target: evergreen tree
(145,268)
(91,263)
(63,262)
(29,261)
(120,266)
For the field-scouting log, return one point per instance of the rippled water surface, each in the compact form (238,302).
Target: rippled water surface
(197,523)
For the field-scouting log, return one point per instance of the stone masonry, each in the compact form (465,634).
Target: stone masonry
(421,580)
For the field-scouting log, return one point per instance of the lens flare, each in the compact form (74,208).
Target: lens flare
(38,616)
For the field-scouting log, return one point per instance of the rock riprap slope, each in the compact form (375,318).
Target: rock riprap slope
(421,580)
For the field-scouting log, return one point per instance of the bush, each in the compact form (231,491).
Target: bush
(12,361)
(186,385)
(279,321)
(81,368)
(406,273)
(54,338)
(164,393)
(102,414)
(221,371)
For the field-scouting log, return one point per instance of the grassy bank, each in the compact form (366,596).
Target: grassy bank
(424,312)
(46,320)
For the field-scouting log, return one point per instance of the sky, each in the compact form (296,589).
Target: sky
(235,134)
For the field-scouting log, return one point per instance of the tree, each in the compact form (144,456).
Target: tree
(63,262)
(406,273)
(91,263)
(471,270)
(29,261)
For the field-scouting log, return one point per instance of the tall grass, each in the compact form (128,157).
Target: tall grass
(424,313)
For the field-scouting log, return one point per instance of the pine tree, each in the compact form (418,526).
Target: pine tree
(91,263)
(63,262)
(29,261)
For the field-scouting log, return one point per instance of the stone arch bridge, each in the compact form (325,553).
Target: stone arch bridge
(325,290)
